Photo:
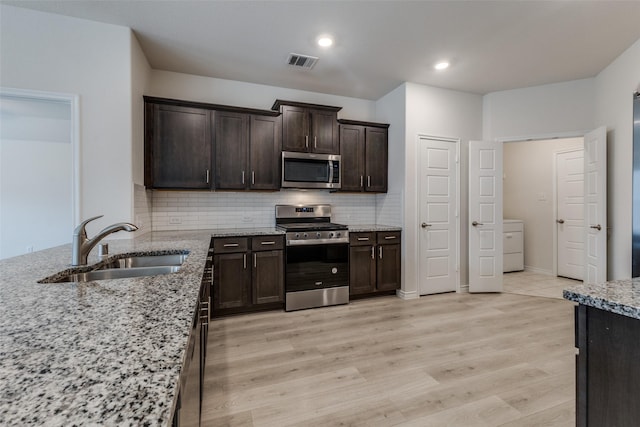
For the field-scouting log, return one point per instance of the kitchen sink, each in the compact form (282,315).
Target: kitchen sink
(145,261)
(124,267)
(117,273)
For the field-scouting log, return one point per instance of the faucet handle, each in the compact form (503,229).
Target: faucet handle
(80,228)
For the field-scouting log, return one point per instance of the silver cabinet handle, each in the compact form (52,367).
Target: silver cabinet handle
(373,252)
(380,252)
(306,141)
(361,181)
(231,245)
(244,261)
(253,177)
(255,260)
(268,243)
(560,221)
(368,180)
(425,225)
(243,177)
(207,176)
(389,237)
(476,223)
(315,142)
(597,227)
(363,239)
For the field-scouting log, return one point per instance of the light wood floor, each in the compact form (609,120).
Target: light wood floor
(441,360)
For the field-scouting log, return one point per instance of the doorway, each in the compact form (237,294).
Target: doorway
(532,171)
(438,198)
(38,170)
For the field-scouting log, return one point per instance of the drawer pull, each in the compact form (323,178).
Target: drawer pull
(362,239)
(268,243)
(231,245)
(508,235)
(389,237)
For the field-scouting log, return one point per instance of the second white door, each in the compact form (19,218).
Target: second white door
(570,215)
(438,210)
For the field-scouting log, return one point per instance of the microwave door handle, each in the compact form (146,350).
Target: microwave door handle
(330,171)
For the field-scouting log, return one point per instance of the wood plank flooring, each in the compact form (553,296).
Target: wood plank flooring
(441,360)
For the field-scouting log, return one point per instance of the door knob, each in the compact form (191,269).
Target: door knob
(560,221)
(476,223)
(597,227)
(425,225)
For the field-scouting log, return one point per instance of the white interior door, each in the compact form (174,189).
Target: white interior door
(438,211)
(570,213)
(595,194)
(485,216)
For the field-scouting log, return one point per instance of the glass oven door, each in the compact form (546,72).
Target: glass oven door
(316,266)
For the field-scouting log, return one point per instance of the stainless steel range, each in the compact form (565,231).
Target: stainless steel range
(317,257)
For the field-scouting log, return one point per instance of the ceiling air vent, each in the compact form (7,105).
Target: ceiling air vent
(302,61)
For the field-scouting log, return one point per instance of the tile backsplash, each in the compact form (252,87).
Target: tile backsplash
(191,210)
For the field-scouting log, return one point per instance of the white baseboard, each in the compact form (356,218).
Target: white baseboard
(464,289)
(407,295)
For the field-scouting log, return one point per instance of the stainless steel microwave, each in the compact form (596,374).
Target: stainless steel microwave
(309,170)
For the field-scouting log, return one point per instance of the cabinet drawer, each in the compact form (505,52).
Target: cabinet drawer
(512,262)
(512,225)
(230,244)
(362,238)
(267,243)
(388,237)
(512,242)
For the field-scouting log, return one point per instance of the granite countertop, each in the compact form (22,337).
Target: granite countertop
(373,227)
(107,352)
(227,232)
(618,296)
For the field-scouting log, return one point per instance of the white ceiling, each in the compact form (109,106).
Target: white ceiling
(492,45)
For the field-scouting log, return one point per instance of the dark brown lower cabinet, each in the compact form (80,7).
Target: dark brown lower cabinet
(248,274)
(374,262)
(607,368)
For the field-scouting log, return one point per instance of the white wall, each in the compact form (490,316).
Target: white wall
(614,88)
(54,53)
(168,84)
(539,111)
(529,174)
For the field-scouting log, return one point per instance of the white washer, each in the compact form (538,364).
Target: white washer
(513,244)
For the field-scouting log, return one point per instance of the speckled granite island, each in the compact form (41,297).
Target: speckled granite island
(107,352)
(607,333)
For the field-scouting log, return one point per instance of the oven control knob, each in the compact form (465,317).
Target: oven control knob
(331,234)
(318,235)
(305,235)
(297,235)
(338,235)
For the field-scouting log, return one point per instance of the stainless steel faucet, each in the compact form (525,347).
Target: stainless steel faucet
(83,245)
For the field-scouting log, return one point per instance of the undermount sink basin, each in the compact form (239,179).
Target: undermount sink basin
(124,267)
(145,261)
(118,273)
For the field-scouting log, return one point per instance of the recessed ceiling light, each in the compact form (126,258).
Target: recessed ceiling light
(443,65)
(325,41)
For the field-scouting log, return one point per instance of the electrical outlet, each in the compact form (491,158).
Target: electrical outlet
(175,220)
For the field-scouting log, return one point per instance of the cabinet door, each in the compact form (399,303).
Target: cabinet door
(231,280)
(178,147)
(352,154)
(295,129)
(388,268)
(268,277)
(231,141)
(264,156)
(362,270)
(324,135)
(376,153)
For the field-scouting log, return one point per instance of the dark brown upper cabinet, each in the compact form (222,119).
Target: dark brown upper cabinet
(177,147)
(364,152)
(247,148)
(309,127)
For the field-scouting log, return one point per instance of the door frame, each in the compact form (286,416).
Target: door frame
(456,142)
(74,103)
(554,268)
